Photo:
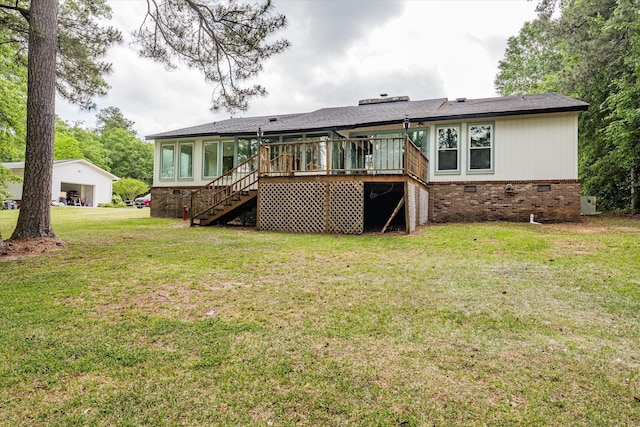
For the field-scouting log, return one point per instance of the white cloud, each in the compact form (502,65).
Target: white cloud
(341,51)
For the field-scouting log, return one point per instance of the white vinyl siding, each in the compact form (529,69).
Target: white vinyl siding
(535,147)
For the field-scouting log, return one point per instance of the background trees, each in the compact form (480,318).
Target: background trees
(113,145)
(13,102)
(129,157)
(589,49)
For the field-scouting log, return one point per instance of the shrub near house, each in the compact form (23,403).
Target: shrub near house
(129,188)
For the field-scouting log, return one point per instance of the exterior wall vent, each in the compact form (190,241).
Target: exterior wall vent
(273,119)
(461,99)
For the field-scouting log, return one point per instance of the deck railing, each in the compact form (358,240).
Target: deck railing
(372,156)
(416,163)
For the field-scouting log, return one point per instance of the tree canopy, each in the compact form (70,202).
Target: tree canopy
(112,118)
(589,49)
(13,103)
(129,157)
(82,42)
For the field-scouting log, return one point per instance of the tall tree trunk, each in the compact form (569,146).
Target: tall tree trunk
(635,199)
(34,219)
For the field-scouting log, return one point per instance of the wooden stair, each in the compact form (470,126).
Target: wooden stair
(222,213)
(226,197)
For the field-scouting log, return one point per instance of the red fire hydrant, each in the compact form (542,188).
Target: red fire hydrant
(184,213)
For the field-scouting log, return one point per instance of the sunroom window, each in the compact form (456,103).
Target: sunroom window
(210,166)
(247,148)
(228,155)
(167,167)
(480,147)
(186,161)
(448,140)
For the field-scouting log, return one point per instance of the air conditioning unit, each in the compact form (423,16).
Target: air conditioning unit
(587,205)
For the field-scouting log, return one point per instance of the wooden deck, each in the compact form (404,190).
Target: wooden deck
(326,162)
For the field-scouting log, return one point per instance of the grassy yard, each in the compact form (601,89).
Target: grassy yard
(143,321)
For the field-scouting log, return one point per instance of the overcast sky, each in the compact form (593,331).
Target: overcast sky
(341,51)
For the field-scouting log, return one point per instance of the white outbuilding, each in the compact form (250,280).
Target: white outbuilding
(75,181)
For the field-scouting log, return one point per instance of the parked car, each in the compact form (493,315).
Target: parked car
(143,201)
(9,204)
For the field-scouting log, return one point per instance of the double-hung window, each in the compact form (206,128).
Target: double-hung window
(448,146)
(480,147)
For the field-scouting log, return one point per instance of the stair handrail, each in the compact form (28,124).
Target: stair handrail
(224,193)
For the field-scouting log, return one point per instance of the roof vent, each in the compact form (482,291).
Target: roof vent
(385,99)
(461,99)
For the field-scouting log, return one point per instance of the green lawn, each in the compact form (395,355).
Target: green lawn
(144,321)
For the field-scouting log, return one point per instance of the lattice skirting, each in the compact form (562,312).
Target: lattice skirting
(346,207)
(311,207)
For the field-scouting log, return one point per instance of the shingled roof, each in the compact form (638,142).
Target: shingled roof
(383,113)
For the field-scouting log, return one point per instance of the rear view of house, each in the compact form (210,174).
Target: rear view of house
(384,163)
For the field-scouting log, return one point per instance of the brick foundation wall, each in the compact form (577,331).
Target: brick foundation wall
(549,201)
(168,202)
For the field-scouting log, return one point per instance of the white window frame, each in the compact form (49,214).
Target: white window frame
(179,155)
(218,158)
(491,148)
(436,144)
(172,176)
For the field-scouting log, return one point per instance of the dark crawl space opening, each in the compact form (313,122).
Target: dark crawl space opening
(380,200)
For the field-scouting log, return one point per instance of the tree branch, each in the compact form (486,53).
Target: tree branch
(24,12)
(227,42)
